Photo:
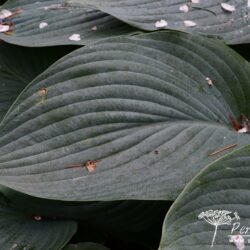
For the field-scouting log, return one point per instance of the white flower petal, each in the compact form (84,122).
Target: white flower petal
(43,25)
(184,8)
(189,23)
(238,240)
(14,246)
(195,1)
(243,130)
(227,7)
(4,28)
(53,7)
(5,14)
(75,37)
(161,24)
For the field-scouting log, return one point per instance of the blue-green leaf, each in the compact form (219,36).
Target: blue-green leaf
(125,118)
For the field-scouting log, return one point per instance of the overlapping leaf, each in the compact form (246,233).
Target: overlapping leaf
(131,220)
(207,17)
(141,107)
(26,231)
(115,216)
(85,246)
(62,22)
(19,66)
(224,185)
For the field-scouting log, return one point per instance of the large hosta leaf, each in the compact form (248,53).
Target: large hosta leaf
(63,22)
(25,231)
(207,17)
(224,185)
(19,66)
(139,106)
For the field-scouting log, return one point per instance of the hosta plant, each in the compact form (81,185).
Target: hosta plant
(139,111)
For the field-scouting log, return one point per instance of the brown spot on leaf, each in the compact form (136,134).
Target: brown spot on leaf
(90,165)
(243,126)
(235,124)
(42,94)
(8,33)
(42,91)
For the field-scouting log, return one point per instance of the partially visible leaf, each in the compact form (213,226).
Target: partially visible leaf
(19,66)
(223,185)
(23,231)
(85,246)
(130,220)
(63,23)
(139,107)
(206,17)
